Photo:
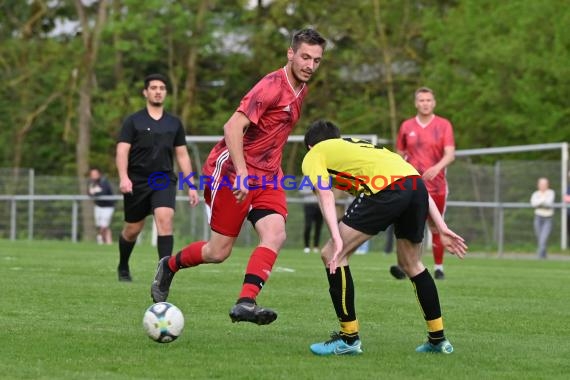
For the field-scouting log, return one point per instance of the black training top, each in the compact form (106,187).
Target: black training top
(101,187)
(152,141)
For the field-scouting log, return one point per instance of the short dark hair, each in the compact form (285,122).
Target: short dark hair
(424,90)
(308,36)
(151,77)
(321,130)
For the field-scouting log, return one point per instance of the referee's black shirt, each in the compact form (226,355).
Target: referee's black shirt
(152,142)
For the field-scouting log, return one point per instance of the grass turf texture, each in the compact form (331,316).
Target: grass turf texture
(65,316)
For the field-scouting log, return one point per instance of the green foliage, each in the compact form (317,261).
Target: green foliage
(499,69)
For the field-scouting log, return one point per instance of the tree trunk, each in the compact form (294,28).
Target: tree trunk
(189,92)
(388,75)
(91,40)
(82,155)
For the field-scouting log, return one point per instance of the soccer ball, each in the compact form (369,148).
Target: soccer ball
(163,322)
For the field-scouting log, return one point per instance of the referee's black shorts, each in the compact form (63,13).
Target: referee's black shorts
(146,197)
(403,203)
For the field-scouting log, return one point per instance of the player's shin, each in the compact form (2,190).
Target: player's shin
(428,299)
(257,272)
(341,289)
(190,256)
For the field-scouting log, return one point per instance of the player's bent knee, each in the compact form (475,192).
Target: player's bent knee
(216,256)
(217,259)
(279,238)
(131,232)
(412,269)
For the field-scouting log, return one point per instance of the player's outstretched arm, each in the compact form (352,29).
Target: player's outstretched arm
(453,243)
(185,164)
(233,134)
(327,205)
(122,163)
(450,240)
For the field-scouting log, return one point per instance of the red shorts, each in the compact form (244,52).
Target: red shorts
(227,216)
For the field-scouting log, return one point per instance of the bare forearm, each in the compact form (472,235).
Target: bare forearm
(122,159)
(435,215)
(328,209)
(183,160)
(448,158)
(233,134)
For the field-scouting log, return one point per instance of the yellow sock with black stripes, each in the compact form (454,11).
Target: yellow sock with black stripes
(428,299)
(349,331)
(341,289)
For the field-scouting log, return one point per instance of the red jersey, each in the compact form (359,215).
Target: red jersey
(273,108)
(423,147)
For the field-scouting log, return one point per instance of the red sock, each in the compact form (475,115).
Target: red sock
(190,256)
(257,272)
(437,248)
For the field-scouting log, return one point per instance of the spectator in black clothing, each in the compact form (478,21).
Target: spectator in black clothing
(313,217)
(104,208)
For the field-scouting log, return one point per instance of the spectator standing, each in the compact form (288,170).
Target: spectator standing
(543,201)
(313,218)
(104,208)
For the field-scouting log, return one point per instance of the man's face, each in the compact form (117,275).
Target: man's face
(425,103)
(94,175)
(305,61)
(155,93)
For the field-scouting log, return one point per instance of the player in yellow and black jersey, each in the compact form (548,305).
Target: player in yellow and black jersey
(388,191)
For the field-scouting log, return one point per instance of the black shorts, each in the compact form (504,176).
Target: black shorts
(145,199)
(404,203)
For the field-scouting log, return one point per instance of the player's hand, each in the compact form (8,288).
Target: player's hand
(430,173)
(240,187)
(193,197)
(126,186)
(453,243)
(240,194)
(338,246)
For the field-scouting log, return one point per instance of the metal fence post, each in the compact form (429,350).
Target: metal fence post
(31,191)
(74,213)
(13,211)
(564,185)
(497,196)
(500,247)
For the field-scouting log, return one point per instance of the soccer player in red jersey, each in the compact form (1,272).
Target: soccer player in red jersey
(245,169)
(426,141)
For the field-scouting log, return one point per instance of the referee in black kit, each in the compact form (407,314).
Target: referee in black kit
(148,140)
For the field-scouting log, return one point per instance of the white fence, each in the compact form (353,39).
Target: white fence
(488,203)
(194,223)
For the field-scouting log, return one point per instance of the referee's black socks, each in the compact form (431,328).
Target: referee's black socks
(164,245)
(125,250)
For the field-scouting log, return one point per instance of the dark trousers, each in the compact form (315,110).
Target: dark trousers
(314,217)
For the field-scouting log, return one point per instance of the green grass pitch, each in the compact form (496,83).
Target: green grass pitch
(64,315)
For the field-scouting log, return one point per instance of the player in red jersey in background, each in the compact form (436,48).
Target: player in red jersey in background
(253,142)
(426,141)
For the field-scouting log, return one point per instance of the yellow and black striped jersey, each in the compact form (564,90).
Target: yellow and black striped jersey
(354,166)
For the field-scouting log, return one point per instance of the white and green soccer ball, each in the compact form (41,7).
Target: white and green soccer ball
(163,322)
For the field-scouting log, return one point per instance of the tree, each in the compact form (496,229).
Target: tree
(85,74)
(501,70)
